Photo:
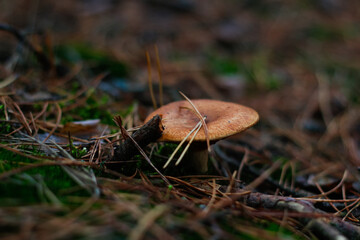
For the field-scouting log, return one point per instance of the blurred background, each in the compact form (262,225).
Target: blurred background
(296,62)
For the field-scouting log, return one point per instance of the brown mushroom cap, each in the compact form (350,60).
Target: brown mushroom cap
(223,119)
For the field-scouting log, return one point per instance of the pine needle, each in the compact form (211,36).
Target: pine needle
(150,80)
(160,77)
(181,143)
(187,146)
(58,119)
(19,115)
(201,119)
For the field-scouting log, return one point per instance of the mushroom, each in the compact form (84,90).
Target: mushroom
(223,119)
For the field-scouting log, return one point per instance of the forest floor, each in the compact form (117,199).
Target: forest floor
(68,68)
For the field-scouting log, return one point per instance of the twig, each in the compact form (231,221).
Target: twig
(319,227)
(326,200)
(150,132)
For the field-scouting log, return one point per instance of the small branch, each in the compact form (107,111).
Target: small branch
(148,133)
(333,228)
(134,144)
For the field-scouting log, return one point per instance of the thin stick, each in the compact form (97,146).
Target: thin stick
(180,144)
(326,200)
(118,121)
(150,80)
(201,118)
(160,77)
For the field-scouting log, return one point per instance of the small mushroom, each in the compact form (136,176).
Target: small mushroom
(223,119)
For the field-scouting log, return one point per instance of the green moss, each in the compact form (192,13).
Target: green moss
(158,158)
(76,152)
(349,81)
(189,234)
(280,232)
(270,229)
(324,33)
(33,186)
(98,60)
(259,73)
(256,70)
(277,174)
(223,65)
(5,128)
(341,74)
(93,109)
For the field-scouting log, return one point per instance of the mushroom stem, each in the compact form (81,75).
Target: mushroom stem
(196,159)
